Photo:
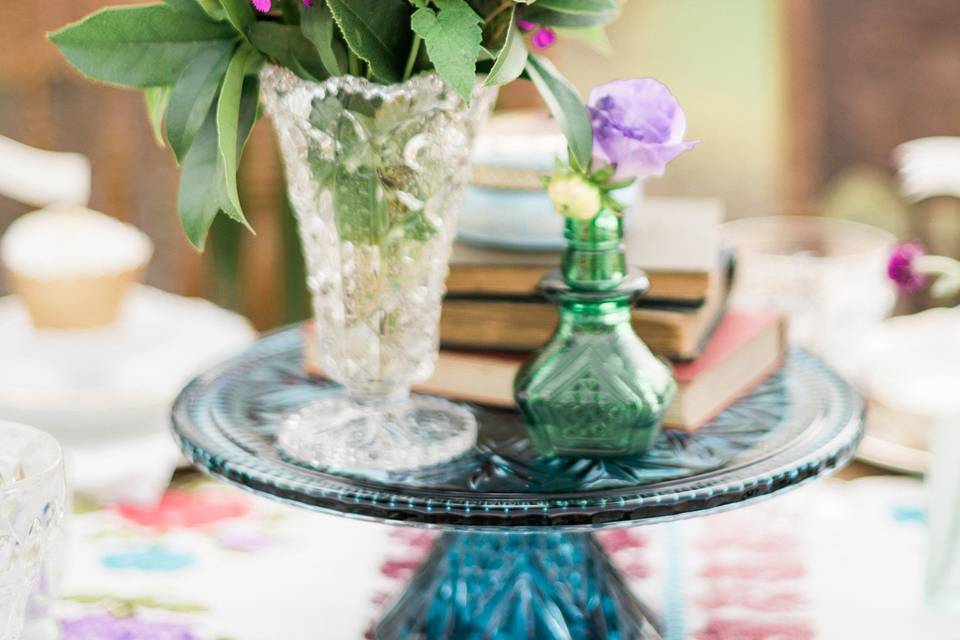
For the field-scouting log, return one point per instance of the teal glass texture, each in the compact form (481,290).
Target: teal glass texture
(516,559)
(555,586)
(594,389)
(801,422)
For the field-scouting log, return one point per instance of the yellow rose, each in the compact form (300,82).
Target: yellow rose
(574,196)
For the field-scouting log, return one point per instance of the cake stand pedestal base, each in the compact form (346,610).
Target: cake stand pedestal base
(491,586)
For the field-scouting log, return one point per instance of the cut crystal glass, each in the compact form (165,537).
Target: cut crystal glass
(32,498)
(376,175)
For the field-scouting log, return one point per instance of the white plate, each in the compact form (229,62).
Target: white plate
(909,369)
(82,385)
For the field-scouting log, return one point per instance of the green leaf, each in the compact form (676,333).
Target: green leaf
(512,57)
(359,208)
(572,13)
(201,183)
(193,95)
(453,37)
(157,99)
(200,8)
(202,193)
(567,108)
(318,27)
(138,46)
(244,60)
(291,10)
(240,14)
(288,46)
(375,30)
(579,6)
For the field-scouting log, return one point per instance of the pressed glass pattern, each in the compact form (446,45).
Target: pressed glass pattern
(515,559)
(594,389)
(376,175)
(800,422)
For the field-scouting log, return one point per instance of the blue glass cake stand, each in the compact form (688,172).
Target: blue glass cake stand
(517,558)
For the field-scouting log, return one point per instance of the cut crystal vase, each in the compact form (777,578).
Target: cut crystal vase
(595,389)
(376,175)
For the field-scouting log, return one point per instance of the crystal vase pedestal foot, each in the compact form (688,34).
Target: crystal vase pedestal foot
(393,434)
(549,586)
(376,175)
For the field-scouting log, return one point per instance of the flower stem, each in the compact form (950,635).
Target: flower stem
(354,64)
(506,4)
(937,265)
(412,58)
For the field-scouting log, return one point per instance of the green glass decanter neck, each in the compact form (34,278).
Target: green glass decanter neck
(594,259)
(594,389)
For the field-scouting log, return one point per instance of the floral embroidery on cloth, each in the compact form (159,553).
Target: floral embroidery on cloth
(189,509)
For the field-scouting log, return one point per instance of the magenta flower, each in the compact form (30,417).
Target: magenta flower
(263,6)
(544,38)
(901,267)
(106,627)
(638,126)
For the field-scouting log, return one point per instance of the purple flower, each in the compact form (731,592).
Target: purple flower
(106,627)
(526,25)
(263,6)
(544,38)
(638,126)
(901,268)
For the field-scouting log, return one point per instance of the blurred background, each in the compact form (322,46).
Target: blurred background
(799,104)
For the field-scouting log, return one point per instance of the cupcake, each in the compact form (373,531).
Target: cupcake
(73,267)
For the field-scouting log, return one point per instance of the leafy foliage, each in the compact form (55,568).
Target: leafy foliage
(453,37)
(198,60)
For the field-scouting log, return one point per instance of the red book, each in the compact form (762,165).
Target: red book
(745,348)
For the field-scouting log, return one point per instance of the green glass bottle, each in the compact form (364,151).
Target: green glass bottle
(594,390)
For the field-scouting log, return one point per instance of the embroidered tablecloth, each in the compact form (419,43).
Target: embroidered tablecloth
(830,561)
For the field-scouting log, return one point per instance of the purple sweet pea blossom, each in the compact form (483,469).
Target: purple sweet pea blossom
(544,38)
(638,126)
(263,6)
(901,268)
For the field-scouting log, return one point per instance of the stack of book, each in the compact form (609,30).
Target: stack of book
(494,315)
(493,301)
(744,349)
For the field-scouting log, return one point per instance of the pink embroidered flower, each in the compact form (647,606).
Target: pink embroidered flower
(187,509)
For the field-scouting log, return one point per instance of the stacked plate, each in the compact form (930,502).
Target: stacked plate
(105,393)
(908,367)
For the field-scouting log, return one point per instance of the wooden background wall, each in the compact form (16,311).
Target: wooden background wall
(46,104)
(862,77)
